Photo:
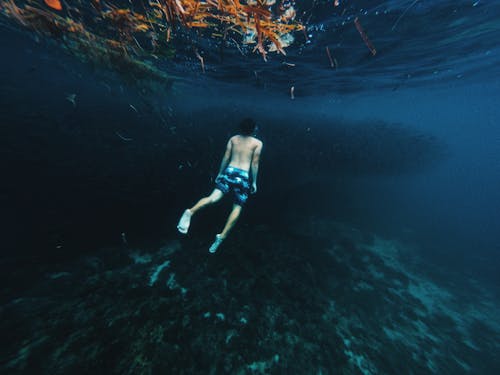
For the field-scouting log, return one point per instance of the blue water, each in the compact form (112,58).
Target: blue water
(371,247)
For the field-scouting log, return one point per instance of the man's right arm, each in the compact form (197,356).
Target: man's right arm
(227,157)
(255,166)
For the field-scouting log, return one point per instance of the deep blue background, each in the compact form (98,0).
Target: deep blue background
(406,144)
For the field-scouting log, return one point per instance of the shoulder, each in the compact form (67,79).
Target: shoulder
(257,143)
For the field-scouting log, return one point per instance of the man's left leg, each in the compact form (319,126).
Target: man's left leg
(231,220)
(185,220)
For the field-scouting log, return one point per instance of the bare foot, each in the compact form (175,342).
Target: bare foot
(216,244)
(184,222)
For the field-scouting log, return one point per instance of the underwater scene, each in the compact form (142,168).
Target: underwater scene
(250,187)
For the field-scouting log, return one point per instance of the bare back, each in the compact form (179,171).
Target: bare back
(243,151)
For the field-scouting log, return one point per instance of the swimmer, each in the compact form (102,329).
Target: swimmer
(237,175)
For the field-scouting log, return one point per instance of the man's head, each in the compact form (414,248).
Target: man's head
(247,126)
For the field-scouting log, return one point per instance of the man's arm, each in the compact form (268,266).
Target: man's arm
(255,166)
(227,156)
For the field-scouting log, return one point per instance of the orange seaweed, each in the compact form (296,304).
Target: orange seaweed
(54,4)
(127,38)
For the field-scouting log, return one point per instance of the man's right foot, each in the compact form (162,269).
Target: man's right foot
(184,222)
(216,244)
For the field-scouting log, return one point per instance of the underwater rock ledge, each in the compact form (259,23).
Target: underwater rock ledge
(321,298)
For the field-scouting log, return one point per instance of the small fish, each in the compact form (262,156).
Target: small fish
(135,109)
(71,98)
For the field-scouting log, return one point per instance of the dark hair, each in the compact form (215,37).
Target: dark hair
(247,126)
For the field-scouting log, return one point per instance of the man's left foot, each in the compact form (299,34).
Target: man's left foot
(215,245)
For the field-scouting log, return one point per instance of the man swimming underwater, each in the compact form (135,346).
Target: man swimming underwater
(241,157)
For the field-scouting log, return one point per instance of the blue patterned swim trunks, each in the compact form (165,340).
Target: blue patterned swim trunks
(234,180)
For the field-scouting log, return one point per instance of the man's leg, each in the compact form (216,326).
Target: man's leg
(185,220)
(231,220)
(212,198)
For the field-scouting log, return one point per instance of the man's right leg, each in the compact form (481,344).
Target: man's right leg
(185,220)
(231,220)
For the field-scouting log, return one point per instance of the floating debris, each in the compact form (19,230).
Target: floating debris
(201,61)
(365,37)
(333,62)
(54,4)
(403,14)
(238,46)
(58,275)
(126,140)
(72,98)
(124,238)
